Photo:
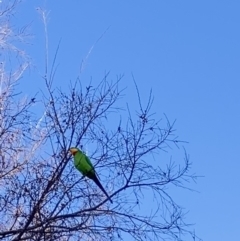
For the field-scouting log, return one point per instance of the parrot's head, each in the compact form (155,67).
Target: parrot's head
(74,150)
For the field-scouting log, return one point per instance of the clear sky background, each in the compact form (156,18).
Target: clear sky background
(188,52)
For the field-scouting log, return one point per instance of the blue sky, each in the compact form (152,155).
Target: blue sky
(188,52)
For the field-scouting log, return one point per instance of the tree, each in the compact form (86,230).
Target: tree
(43,197)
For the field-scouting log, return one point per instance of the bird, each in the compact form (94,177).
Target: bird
(83,164)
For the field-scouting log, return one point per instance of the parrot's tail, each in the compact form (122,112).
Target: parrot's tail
(95,179)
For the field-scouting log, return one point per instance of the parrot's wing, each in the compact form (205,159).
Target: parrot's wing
(81,162)
(89,162)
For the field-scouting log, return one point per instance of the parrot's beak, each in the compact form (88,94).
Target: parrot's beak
(71,151)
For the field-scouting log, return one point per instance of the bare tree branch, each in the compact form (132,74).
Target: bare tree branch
(43,197)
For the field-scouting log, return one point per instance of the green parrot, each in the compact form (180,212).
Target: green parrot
(84,165)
